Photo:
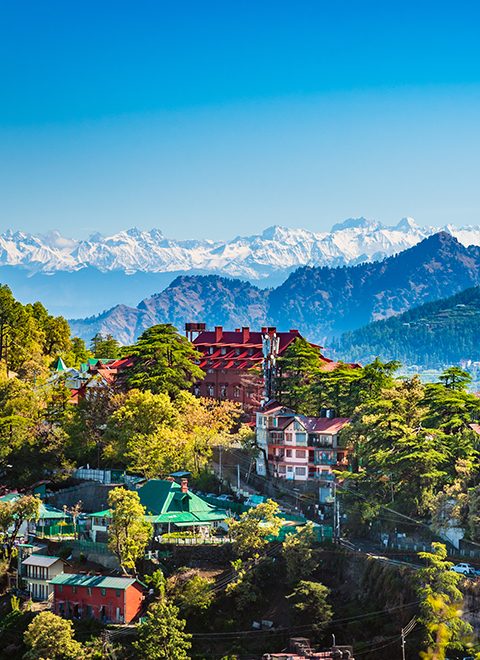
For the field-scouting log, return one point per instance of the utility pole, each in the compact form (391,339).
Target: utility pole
(334,521)
(220,462)
(238,476)
(406,631)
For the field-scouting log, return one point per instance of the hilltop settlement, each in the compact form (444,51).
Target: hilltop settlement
(230,493)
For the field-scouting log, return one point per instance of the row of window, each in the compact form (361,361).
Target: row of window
(37,572)
(302,453)
(118,592)
(236,391)
(301,471)
(226,349)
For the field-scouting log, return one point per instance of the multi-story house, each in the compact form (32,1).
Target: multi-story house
(107,599)
(37,570)
(297,447)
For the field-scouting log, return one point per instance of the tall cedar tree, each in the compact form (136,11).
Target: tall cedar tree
(164,362)
(440,604)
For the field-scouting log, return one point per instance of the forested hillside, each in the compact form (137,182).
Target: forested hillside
(321,302)
(430,336)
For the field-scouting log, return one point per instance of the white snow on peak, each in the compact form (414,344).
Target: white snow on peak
(254,257)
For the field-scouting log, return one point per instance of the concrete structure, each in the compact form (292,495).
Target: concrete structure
(297,447)
(300,649)
(107,599)
(37,571)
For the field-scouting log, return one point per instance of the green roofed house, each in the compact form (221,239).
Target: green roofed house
(50,520)
(170,507)
(60,365)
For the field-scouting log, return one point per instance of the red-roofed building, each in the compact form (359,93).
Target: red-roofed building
(240,364)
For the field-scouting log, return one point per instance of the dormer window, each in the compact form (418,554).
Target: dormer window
(223,350)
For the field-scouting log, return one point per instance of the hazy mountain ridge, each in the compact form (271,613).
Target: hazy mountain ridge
(433,335)
(321,302)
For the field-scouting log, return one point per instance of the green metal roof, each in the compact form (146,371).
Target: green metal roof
(60,365)
(47,512)
(107,513)
(166,503)
(102,581)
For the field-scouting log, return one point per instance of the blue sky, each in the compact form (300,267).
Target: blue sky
(221,118)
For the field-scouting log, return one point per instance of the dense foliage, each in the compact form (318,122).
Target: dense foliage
(430,336)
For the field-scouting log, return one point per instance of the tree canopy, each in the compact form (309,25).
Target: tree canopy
(164,362)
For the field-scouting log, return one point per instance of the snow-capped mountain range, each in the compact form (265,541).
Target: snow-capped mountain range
(253,258)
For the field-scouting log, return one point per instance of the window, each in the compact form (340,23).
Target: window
(60,588)
(118,593)
(289,468)
(288,437)
(74,590)
(301,471)
(104,592)
(196,390)
(210,390)
(223,391)
(300,453)
(236,392)
(89,589)
(223,350)
(289,453)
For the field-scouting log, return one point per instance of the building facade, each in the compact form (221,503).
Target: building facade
(297,447)
(240,365)
(107,599)
(37,571)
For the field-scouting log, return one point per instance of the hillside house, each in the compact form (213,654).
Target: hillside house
(297,447)
(49,522)
(170,507)
(240,365)
(92,376)
(107,599)
(36,571)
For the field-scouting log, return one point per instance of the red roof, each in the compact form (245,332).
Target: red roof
(324,424)
(234,339)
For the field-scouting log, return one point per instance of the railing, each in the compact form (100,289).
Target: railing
(426,547)
(194,540)
(91,546)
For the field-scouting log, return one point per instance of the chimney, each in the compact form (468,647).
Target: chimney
(245,334)
(184,485)
(218,332)
(272,330)
(264,330)
(294,331)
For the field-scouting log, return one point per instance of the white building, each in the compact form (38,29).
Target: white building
(37,571)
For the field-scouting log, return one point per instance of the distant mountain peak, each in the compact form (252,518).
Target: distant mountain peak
(356,223)
(407,224)
(269,255)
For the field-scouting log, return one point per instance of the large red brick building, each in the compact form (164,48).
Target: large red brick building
(240,364)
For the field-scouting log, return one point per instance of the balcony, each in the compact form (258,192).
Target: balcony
(323,460)
(275,458)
